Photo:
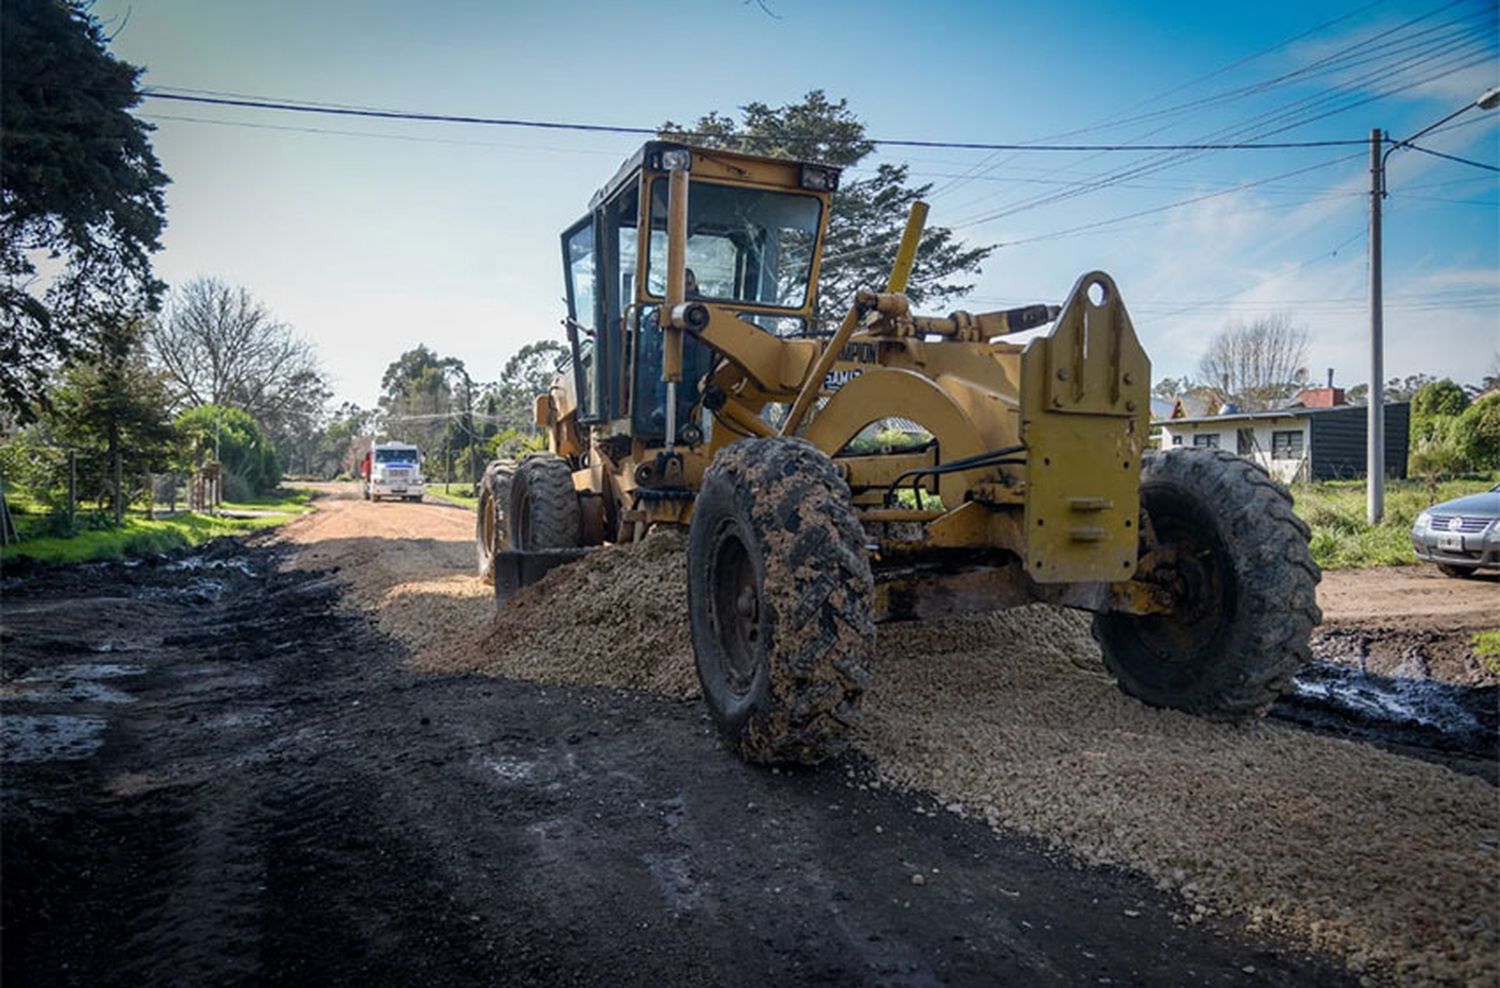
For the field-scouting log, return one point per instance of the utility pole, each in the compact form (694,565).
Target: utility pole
(1375,431)
(1375,449)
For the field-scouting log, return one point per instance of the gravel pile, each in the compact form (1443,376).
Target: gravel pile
(1010,718)
(1386,862)
(616,618)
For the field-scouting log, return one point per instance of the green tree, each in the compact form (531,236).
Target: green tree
(1432,405)
(1172,387)
(345,439)
(1439,398)
(528,373)
(419,404)
(79,182)
(113,409)
(868,214)
(1399,389)
(1476,433)
(250,461)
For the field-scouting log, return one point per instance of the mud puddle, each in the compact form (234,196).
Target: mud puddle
(1424,718)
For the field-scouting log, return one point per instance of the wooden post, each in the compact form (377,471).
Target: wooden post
(8,532)
(72,488)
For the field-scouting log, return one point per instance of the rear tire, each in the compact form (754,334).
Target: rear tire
(779,601)
(490,522)
(1245,581)
(544,510)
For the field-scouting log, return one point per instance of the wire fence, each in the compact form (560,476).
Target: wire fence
(57,491)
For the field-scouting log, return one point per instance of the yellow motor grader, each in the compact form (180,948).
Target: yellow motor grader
(700,393)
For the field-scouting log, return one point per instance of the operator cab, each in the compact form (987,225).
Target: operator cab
(755,231)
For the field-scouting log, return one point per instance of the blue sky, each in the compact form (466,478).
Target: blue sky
(370,237)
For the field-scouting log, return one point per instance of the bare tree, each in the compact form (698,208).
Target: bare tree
(1256,365)
(220,345)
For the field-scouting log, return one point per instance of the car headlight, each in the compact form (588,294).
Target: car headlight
(1422,520)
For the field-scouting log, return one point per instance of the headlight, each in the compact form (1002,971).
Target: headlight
(819,179)
(677,160)
(1422,521)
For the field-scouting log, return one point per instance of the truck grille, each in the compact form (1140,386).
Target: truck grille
(1469,526)
(397,474)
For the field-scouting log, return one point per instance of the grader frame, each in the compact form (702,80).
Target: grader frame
(1029,488)
(1039,421)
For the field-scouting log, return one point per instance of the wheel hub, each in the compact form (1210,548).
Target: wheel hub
(735,601)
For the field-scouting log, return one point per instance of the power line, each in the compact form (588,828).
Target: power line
(1172,205)
(1449,157)
(413,138)
(1449,47)
(982,168)
(1329,64)
(412,115)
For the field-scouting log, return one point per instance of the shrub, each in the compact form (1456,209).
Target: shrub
(1476,434)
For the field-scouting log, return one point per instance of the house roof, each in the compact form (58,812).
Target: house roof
(1275,413)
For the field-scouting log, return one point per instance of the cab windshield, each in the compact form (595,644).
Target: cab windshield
(744,245)
(395,456)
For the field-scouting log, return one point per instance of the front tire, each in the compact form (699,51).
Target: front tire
(779,601)
(1458,572)
(544,510)
(491,533)
(1236,560)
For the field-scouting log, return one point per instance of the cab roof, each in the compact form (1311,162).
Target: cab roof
(652,149)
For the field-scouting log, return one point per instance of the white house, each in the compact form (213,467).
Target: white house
(1297,444)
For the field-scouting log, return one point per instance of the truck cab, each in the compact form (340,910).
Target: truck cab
(393,470)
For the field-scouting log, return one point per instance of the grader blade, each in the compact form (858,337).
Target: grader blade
(517,568)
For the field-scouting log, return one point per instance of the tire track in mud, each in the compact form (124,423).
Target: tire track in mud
(282,802)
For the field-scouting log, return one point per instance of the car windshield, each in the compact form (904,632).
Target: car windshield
(395,456)
(744,245)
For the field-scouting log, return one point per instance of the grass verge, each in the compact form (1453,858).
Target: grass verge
(1486,646)
(140,537)
(1342,539)
(462,500)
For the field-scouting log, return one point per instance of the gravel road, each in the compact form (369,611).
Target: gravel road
(261,765)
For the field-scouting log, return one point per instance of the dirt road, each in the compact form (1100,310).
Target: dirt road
(1410,621)
(244,767)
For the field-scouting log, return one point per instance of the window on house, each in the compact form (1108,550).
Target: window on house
(1176,440)
(1244,441)
(1286,445)
(1206,440)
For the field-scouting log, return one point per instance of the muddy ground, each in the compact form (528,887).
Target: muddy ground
(220,768)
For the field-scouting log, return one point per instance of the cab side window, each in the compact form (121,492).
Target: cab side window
(578,258)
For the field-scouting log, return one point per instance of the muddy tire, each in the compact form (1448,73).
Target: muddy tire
(1247,585)
(779,601)
(544,511)
(491,519)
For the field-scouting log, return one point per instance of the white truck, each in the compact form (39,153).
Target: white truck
(393,469)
